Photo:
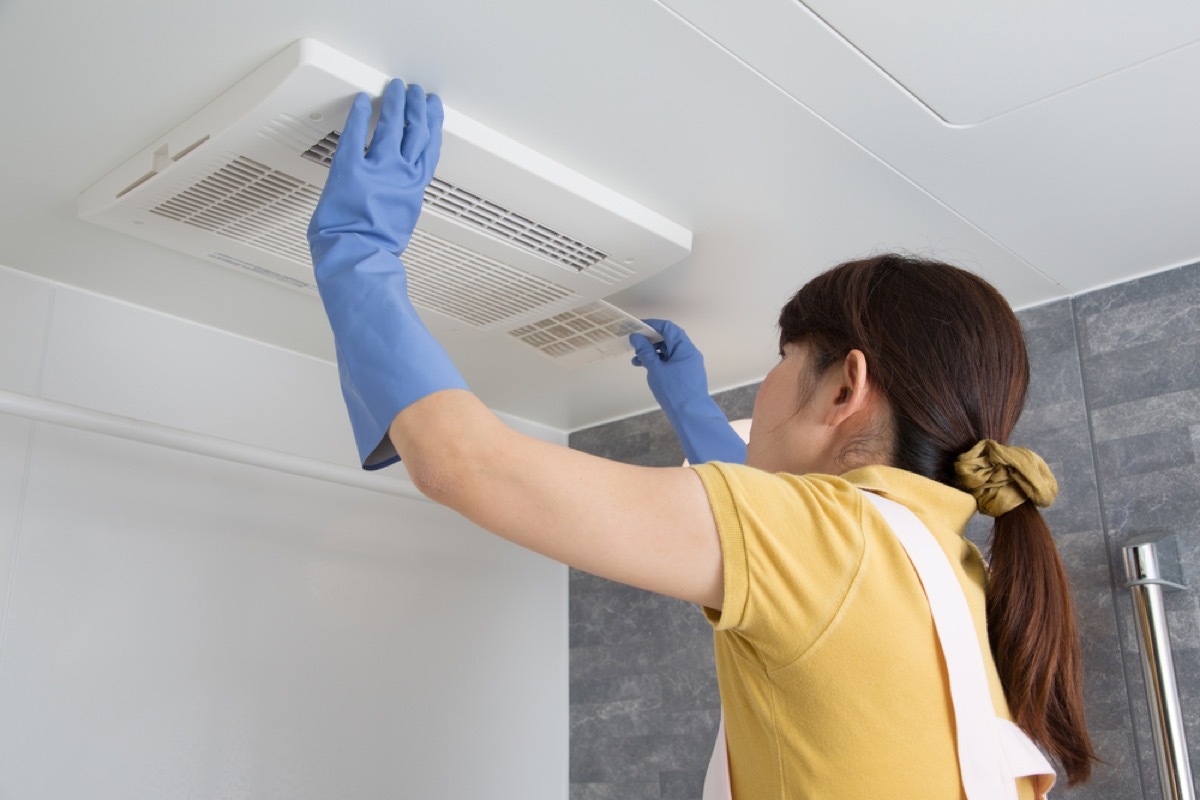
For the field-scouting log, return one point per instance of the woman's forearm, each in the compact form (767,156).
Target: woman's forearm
(651,528)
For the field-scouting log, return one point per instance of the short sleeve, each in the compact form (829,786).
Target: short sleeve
(792,547)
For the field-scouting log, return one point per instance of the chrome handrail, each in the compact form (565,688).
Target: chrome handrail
(1146,583)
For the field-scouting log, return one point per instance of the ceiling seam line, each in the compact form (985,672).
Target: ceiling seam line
(968,125)
(775,85)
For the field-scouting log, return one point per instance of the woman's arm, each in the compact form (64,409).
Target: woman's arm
(647,527)
(650,528)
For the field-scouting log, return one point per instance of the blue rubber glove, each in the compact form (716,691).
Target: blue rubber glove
(675,372)
(387,359)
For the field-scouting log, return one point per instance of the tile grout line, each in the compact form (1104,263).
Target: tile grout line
(1115,580)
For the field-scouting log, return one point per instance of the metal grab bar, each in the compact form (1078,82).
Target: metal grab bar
(1146,584)
(137,430)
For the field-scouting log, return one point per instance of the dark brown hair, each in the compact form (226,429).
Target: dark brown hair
(947,352)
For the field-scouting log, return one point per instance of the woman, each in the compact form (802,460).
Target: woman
(896,379)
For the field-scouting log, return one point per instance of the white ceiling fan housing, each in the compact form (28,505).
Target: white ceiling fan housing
(510,241)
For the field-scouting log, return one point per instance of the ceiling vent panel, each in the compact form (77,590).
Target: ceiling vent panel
(582,335)
(508,238)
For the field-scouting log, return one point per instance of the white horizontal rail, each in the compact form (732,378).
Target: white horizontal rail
(87,419)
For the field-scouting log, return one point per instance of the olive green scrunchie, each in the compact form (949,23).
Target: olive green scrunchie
(1002,477)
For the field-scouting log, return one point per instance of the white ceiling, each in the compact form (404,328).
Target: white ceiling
(1051,149)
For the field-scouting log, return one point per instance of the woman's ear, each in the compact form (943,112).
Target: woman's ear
(852,394)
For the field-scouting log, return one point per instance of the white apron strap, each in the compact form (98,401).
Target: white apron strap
(992,752)
(716,781)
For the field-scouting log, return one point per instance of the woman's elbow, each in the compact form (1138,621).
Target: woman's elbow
(438,480)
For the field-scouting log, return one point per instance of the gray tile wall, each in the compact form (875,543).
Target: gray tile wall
(644,703)
(1055,425)
(1114,407)
(1139,345)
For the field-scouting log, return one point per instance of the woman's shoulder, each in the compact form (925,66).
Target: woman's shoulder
(888,481)
(942,508)
(814,494)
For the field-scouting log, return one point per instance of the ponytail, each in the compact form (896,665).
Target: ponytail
(1031,621)
(1031,626)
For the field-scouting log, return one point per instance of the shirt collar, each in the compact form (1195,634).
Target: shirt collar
(924,497)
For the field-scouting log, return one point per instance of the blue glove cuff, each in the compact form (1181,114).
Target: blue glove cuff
(387,359)
(704,431)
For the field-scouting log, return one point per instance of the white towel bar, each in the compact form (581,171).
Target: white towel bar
(87,419)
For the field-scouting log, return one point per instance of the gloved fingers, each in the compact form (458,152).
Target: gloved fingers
(353,138)
(657,324)
(389,131)
(416,124)
(436,115)
(674,338)
(646,351)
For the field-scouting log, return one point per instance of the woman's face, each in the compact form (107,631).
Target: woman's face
(786,434)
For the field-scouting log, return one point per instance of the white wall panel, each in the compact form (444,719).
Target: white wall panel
(14,445)
(180,626)
(129,360)
(183,627)
(25,304)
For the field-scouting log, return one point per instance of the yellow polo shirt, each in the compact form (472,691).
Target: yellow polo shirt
(831,679)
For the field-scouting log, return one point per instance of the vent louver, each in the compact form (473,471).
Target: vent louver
(478,212)
(509,238)
(583,335)
(471,287)
(322,152)
(250,203)
(499,221)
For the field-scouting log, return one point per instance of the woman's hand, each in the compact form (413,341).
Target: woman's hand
(675,372)
(387,359)
(375,191)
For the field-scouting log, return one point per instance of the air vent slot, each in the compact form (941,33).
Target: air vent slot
(472,287)
(249,203)
(611,272)
(229,260)
(255,205)
(185,151)
(322,151)
(482,214)
(584,334)
(508,225)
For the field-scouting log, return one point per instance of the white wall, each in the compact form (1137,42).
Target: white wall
(179,626)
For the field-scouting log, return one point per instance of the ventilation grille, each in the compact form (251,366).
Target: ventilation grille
(482,214)
(497,220)
(255,205)
(470,287)
(611,273)
(291,133)
(249,203)
(322,151)
(596,326)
